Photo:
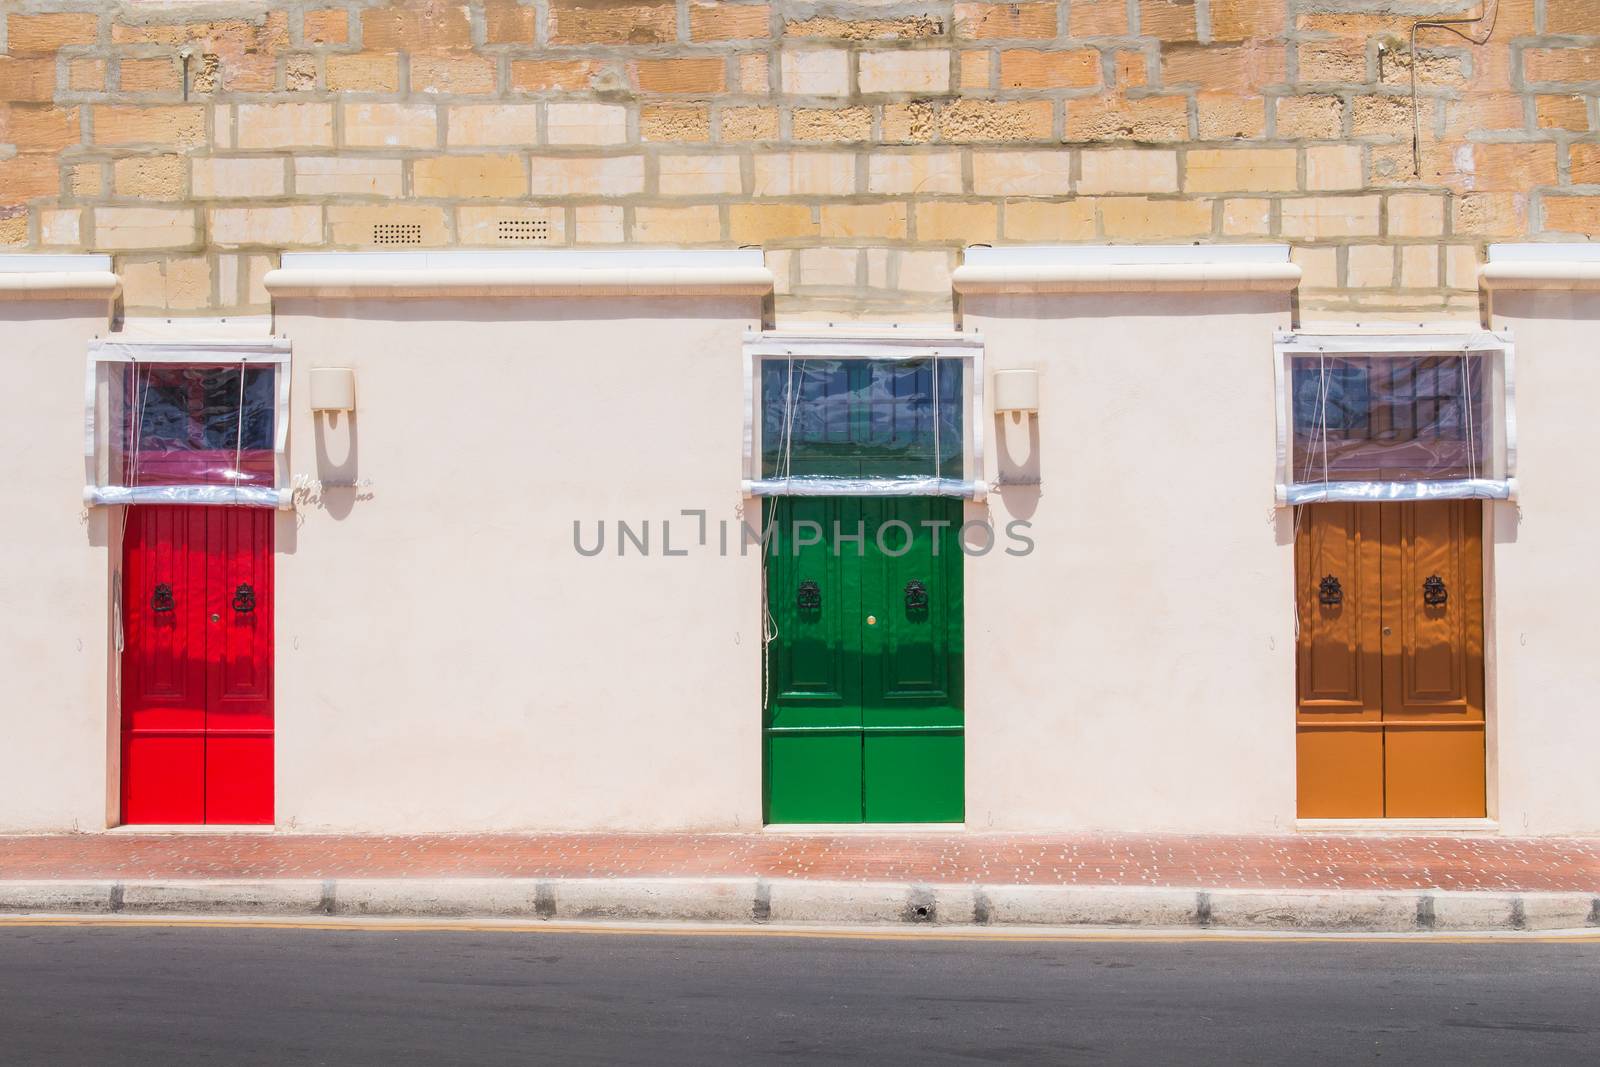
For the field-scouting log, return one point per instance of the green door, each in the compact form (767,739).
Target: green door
(863,718)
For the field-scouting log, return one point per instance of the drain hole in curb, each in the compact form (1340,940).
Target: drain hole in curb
(922,911)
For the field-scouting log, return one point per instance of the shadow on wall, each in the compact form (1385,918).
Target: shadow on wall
(1016,446)
(338,445)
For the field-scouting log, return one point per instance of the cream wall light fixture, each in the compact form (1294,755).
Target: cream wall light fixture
(1016,391)
(333,389)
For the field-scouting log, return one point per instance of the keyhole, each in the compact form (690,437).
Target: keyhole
(872,620)
(1387,632)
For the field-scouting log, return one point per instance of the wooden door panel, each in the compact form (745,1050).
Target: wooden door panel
(240,593)
(1433,652)
(163,620)
(1339,772)
(913,591)
(1434,772)
(814,597)
(1339,666)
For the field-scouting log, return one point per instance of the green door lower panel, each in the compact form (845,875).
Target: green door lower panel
(864,719)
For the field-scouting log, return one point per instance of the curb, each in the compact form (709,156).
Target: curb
(800,902)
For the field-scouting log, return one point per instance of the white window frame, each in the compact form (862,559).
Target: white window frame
(97,493)
(1354,344)
(967,347)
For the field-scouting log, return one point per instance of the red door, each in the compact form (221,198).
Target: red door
(197,665)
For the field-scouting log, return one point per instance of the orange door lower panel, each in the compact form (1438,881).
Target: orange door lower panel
(1340,772)
(1433,772)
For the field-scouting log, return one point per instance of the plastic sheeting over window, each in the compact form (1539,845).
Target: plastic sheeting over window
(187,422)
(870,417)
(1395,417)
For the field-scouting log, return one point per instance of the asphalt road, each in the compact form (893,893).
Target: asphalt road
(172,995)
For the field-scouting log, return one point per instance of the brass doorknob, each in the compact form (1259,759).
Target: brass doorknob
(216,618)
(872,620)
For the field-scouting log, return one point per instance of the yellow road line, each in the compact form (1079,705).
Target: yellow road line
(379,925)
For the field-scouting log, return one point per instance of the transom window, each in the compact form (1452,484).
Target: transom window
(866,418)
(1392,423)
(187,423)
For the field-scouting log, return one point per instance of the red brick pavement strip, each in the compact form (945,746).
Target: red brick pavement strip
(1205,862)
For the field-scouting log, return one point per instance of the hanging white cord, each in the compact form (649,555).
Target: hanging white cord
(1319,431)
(1469,418)
(938,454)
(769,511)
(238,436)
(140,395)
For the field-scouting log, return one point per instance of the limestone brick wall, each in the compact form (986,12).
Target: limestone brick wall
(862,145)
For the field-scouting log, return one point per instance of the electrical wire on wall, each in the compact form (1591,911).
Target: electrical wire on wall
(1491,13)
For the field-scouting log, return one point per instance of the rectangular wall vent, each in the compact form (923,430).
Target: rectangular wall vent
(397,233)
(523,230)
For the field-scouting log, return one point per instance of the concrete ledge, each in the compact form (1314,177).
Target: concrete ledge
(330,283)
(1555,274)
(59,285)
(798,902)
(1126,277)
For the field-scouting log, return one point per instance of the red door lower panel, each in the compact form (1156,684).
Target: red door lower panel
(197,729)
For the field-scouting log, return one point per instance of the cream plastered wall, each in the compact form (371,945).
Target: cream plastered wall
(1136,672)
(1545,580)
(54,577)
(446,658)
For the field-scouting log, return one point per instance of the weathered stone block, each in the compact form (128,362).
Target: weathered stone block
(1148,219)
(1316,218)
(1129,170)
(468,177)
(864,220)
(298,224)
(1240,170)
(1028,68)
(904,71)
(702,76)
(1033,220)
(1042,173)
(831,124)
(364,72)
(698,175)
(334,176)
(677,225)
(453,75)
(177,125)
(914,172)
(492,124)
(372,125)
(947,220)
(287,125)
(815,72)
(805,173)
(43,35)
(118,228)
(758,224)
(229,179)
(720,21)
(585,123)
(588,176)
(991,120)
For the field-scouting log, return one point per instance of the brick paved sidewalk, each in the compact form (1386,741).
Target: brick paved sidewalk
(1314,861)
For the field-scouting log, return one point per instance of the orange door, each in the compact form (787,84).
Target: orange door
(1390,704)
